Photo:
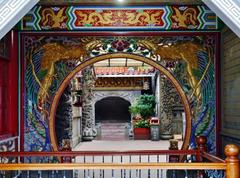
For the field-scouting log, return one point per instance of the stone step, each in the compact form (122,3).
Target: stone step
(112,134)
(112,130)
(116,128)
(113,125)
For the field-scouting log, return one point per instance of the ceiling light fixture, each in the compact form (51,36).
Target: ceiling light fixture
(121,1)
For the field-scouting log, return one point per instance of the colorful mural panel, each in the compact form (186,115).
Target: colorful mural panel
(107,18)
(49,59)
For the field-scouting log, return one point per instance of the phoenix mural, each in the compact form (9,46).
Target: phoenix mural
(49,59)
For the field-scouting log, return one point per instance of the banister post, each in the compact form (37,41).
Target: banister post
(232,152)
(201,147)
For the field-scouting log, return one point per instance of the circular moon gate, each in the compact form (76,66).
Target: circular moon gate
(146,60)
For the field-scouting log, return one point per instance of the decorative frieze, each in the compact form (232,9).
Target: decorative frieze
(127,18)
(120,83)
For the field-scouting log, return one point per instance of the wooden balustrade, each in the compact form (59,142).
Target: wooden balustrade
(230,164)
(212,158)
(201,147)
(232,152)
(231,161)
(78,166)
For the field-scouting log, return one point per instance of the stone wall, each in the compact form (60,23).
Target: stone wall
(76,125)
(230,87)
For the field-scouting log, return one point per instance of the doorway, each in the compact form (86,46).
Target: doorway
(113,118)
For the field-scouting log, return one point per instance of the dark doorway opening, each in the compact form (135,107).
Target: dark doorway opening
(113,117)
(112,109)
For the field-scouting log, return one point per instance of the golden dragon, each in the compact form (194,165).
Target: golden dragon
(52,19)
(104,18)
(188,17)
(142,17)
(186,51)
(54,52)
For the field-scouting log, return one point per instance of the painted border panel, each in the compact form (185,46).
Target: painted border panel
(120,18)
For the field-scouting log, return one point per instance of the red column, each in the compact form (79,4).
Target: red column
(13,85)
(4,63)
(3,94)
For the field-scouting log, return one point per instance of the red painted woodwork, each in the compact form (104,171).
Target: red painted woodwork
(141,133)
(218,96)
(9,89)
(77,34)
(22,67)
(13,85)
(3,96)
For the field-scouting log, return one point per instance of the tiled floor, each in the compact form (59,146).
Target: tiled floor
(103,145)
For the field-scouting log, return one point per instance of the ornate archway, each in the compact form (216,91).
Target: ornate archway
(146,60)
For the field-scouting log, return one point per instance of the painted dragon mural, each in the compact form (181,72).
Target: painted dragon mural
(148,18)
(54,52)
(50,59)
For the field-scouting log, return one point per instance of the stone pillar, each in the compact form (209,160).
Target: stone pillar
(170,100)
(166,109)
(88,124)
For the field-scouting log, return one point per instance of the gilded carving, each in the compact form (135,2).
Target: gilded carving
(160,17)
(186,18)
(53,53)
(143,18)
(120,82)
(93,18)
(118,17)
(186,51)
(53,19)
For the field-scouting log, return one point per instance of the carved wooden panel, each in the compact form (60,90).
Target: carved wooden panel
(133,83)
